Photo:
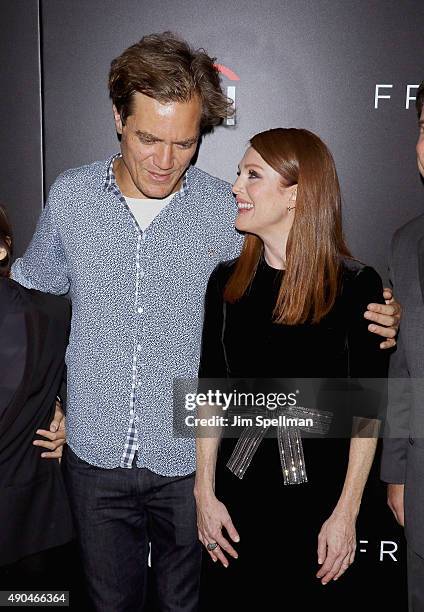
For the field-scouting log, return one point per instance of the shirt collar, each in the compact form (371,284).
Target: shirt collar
(110,181)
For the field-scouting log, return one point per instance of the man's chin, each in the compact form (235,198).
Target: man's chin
(157,191)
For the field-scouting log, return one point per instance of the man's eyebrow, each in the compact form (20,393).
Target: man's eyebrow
(147,135)
(187,141)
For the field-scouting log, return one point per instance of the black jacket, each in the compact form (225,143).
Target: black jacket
(34,510)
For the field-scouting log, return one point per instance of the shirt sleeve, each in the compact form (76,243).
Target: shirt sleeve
(44,265)
(368,363)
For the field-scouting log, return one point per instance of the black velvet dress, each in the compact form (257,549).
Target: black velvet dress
(34,510)
(278,524)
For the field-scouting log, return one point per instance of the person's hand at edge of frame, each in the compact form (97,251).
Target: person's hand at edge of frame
(55,435)
(385,319)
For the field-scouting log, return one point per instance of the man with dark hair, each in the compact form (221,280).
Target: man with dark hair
(403,449)
(134,239)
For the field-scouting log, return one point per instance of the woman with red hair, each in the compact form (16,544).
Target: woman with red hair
(290,307)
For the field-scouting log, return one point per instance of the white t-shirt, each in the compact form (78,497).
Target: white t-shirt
(146,209)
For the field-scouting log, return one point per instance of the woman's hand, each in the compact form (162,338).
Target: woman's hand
(212,516)
(336,546)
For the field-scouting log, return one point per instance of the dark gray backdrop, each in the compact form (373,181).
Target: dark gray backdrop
(312,64)
(21,170)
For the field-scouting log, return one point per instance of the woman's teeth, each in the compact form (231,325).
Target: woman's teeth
(244,205)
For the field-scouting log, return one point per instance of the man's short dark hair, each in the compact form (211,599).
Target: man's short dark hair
(419,101)
(164,67)
(5,242)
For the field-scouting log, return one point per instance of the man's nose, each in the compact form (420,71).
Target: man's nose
(163,157)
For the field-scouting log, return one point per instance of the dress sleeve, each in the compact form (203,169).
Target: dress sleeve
(212,354)
(367,361)
(44,266)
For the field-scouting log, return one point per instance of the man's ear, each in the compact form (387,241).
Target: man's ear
(118,120)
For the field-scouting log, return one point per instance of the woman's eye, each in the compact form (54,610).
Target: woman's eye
(253,174)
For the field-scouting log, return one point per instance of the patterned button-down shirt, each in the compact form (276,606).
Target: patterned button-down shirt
(137,306)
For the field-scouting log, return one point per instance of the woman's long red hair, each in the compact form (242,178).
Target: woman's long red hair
(315,245)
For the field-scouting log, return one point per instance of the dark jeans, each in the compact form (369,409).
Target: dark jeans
(117,513)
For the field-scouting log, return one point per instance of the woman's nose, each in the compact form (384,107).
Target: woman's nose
(237,186)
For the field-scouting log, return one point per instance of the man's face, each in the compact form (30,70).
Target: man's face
(157,144)
(420,145)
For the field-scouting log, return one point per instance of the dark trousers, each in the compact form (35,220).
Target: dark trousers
(415,581)
(117,513)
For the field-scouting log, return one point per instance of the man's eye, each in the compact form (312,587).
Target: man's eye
(186,145)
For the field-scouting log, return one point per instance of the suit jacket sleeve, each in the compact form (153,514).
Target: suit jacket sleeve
(396,431)
(13,349)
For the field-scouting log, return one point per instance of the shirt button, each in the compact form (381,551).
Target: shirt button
(138,347)
(139,310)
(141,273)
(131,412)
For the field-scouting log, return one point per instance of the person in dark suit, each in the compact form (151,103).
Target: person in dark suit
(34,327)
(403,448)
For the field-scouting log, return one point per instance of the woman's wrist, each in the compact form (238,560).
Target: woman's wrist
(347,508)
(203,490)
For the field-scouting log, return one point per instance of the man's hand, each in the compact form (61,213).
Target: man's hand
(395,493)
(56,435)
(387,318)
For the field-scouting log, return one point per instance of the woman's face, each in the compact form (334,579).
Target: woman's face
(262,200)
(3,251)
